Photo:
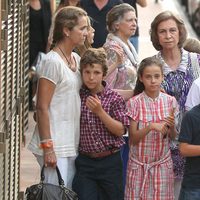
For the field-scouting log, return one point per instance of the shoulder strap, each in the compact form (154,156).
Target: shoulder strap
(195,64)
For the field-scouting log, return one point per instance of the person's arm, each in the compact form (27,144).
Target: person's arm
(189,150)
(138,134)
(114,59)
(53,6)
(172,132)
(45,92)
(50,37)
(135,134)
(126,94)
(44,95)
(142,3)
(114,126)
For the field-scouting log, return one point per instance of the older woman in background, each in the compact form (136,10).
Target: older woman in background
(122,56)
(168,33)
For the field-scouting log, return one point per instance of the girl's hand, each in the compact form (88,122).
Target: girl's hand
(159,127)
(170,120)
(50,159)
(170,123)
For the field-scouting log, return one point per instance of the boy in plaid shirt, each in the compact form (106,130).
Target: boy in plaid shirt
(103,121)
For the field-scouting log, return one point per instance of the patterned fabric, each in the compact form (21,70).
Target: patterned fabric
(124,75)
(153,181)
(177,83)
(150,157)
(94,136)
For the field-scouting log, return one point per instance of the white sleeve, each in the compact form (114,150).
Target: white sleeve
(193,97)
(51,70)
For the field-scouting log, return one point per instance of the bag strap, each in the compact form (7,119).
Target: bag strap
(60,180)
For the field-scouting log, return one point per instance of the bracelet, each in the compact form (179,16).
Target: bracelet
(46,153)
(45,140)
(46,145)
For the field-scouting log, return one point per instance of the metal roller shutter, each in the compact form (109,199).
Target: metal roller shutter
(13,93)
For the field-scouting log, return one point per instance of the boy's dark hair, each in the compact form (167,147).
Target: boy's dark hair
(149,61)
(94,56)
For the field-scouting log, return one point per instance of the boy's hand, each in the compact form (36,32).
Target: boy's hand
(94,104)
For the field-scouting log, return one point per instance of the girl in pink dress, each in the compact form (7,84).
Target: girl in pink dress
(152,113)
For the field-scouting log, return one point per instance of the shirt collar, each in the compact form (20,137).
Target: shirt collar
(182,66)
(149,98)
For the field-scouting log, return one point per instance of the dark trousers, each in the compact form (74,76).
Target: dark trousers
(189,194)
(98,178)
(125,155)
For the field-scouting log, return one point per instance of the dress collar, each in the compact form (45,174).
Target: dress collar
(182,66)
(149,98)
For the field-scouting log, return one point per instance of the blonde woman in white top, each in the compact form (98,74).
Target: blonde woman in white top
(56,136)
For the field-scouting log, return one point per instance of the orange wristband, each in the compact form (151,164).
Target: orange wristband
(46,145)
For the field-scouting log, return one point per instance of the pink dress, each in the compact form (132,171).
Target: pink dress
(150,169)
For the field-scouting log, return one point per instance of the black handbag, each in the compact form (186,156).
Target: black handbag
(47,191)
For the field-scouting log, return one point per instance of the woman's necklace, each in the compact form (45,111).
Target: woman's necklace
(69,62)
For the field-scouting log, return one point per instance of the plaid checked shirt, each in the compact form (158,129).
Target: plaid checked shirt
(94,136)
(150,169)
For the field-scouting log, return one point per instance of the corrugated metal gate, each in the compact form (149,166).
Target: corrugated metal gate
(13,93)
